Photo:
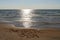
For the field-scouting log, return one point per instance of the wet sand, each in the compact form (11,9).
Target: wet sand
(10,32)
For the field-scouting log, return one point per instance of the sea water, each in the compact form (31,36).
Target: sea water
(38,18)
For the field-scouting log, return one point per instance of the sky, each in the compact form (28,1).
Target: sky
(33,4)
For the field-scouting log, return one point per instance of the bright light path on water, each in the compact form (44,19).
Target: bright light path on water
(26,17)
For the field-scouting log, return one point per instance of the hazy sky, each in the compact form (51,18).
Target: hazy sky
(41,4)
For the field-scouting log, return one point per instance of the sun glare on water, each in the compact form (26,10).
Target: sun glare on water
(26,17)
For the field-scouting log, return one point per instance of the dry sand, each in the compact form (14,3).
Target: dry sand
(10,32)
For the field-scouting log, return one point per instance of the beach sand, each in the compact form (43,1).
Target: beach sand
(10,32)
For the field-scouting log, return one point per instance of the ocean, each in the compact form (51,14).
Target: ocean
(36,18)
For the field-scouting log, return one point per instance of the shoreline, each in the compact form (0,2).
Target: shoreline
(10,32)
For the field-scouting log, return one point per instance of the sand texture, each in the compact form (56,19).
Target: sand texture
(9,32)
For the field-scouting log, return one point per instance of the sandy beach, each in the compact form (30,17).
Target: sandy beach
(10,32)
